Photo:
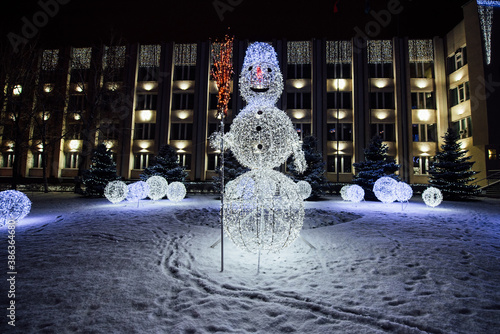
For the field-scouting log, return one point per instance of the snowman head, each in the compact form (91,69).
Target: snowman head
(261,80)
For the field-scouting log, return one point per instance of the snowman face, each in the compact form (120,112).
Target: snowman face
(261,80)
(262,138)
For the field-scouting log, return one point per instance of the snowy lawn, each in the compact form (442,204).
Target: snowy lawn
(88,266)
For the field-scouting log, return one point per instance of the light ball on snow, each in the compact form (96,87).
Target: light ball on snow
(176,191)
(403,192)
(432,196)
(305,189)
(384,189)
(14,205)
(137,191)
(355,193)
(116,191)
(157,187)
(343,192)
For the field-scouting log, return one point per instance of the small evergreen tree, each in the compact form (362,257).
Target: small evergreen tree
(232,169)
(376,165)
(451,171)
(165,164)
(315,171)
(102,171)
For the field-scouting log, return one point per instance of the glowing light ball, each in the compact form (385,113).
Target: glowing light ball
(268,221)
(14,205)
(116,191)
(305,189)
(384,189)
(176,191)
(343,192)
(403,192)
(355,193)
(157,187)
(137,191)
(432,197)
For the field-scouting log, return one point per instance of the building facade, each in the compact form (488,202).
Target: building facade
(136,98)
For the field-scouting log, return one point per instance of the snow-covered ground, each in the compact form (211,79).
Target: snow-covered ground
(88,266)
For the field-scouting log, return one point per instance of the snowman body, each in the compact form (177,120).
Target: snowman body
(263,208)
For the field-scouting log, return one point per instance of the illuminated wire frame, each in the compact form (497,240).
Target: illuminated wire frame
(403,192)
(14,205)
(176,191)
(355,193)
(263,211)
(305,189)
(157,187)
(137,191)
(432,197)
(384,189)
(116,191)
(343,192)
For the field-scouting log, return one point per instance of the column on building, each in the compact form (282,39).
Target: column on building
(339,113)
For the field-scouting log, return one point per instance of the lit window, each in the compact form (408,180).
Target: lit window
(421,165)
(7,159)
(340,164)
(71,159)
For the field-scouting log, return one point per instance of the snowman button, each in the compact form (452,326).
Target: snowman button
(259,146)
(258,128)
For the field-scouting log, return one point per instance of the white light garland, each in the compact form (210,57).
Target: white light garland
(50,59)
(14,205)
(432,197)
(81,58)
(150,56)
(355,193)
(421,50)
(343,192)
(403,192)
(379,52)
(157,187)
(116,191)
(305,189)
(299,52)
(485,10)
(137,191)
(338,52)
(185,54)
(384,189)
(176,191)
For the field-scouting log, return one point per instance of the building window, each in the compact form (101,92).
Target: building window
(7,159)
(212,161)
(424,132)
(423,100)
(298,100)
(384,131)
(184,72)
(298,71)
(184,160)
(339,100)
(382,100)
(421,165)
(181,131)
(183,101)
(302,129)
(338,71)
(340,131)
(144,131)
(37,160)
(383,70)
(340,164)
(71,159)
(457,60)
(148,73)
(74,131)
(142,160)
(77,103)
(422,70)
(492,154)
(463,127)
(459,94)
(109,131)
(146,102)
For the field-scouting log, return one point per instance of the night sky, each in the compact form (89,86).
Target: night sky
(86,22)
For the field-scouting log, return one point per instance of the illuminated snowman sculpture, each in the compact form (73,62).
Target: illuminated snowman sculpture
(263,208)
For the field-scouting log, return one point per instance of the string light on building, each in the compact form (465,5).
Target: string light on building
(14,205)
(50,59)
(81,58)
(114,56)
(338,52)
(116,191)
(432,197)
(185,54)
(176,191)
(420,50)
(150,56)
(485,9)
(384,189)
(379,52)
(157,187)
(299,52)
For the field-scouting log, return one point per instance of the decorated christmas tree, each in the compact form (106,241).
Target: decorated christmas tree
(166,164)
(377,164)
(102,171)
(232,169)
(315,171)
(451,171)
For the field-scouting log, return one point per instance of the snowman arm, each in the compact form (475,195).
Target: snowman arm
(299,158)
(216,138)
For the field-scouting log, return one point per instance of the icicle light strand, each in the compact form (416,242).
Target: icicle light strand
(150,56)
